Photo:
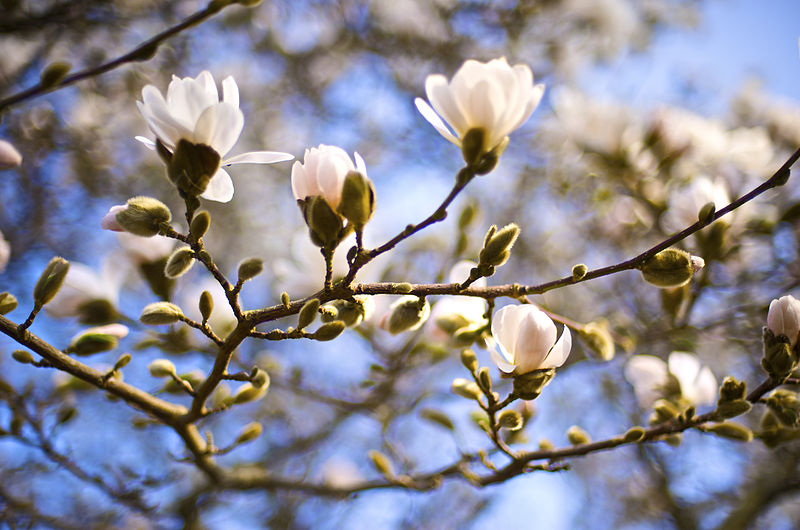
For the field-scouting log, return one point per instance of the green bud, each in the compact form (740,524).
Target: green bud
(54,73)
(634,434)
(665,410)
(358,199)
(785,405)
(528,386)
(285,300)
(308,313)
(731,430)
(672,299)
(146,53)
(259,378)
(599,340)
(472,145)
(407,314)
(707,212)
(161,368)
(381,463)
(578,436)
(579,271)
(122,362)
(779,359)
(206,305)
(485,380)
(159,313)
(510,419)
(91,343)
(200,224)
(465,389)
(8,303)
(349,312)
(467,215)
(250,268)
(437,417)
(469,359)
(66,414)
(671,267)
(733,408)
(546,445)
(143,216)
(50,281)
(402,288)
(153,274)
(191,167)
(217,5)
(179,262)
(247,392)
(324,225)
(250,432)
(329,331)
(23,356)
(497,248)
(732,390)
(194,378)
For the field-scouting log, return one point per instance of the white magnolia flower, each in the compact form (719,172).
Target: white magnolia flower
(452,313)
(322,172)
(145,249)
(783,317)
(5,252)
(492,96)
(119,331)
(685,204)
(9,156)
(84,286)
(192,111)
(650,377)
(526,339)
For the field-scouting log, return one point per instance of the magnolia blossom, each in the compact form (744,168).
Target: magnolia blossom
(5,252)
(650,377)
(141,250)
(526,339)
(9,156)
(83,286)
(492,96)
(192,111)
(783,317)
(452,313)
(322,172)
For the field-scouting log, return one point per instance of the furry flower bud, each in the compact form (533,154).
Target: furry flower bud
(159,313)
(671,267)
(141,216)
(50,281)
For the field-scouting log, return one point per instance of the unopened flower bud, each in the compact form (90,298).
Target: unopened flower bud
(599,340)
(472,145)
(159,313)
(308,313)
(469,360)
(50,281)
(247,392)
(783,318)
(510,419)
(23,356)
(161,368)
(179,262)
(484,379)
(206,305)
(200,224)
(579,271)
(143,216)
(731,430)
(358,199)
(54,73)
(381,463)
(438,417)
(707,213)
(779,358)
(406,314)
(665,410)
(785,405)
(259,378)
(733,408)
(9,156)
(285,300)
(529,385)
(634,434)
(324,225)
(497,247)
(671,267)
(351,312)
(250,268)
(329,331)
(8,303)
(250,432)
(465,389)
(122,362)
(578,436)
(97,340)
(731,389)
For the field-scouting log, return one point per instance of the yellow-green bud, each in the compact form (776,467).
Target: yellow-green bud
(634,434)
(329,331)
(469,359)
(206,305)
(159,313)
(349,312)
(672,300)
(358,199)
(407,314)
(250,432)
(247,392)
(200,224)
(285,300)
(497,247)
(510,419)
(250,268)
(733,408)
(23,356)
(484,379)
(665,410)
(546,445)
(194,378)
(259,378)
(579,271)
(599,340)
(50,281)
(122,362)
(161,368)
(191,166)
(91,343)
(529,385)
(54,73)
(732,390)
(465,389)
(8,303)
(143,216)
(308,313)
(785,405)
(732,431)
(179,262)
(779,358)
(578,436)
(671,267)
(438,417)
(381,463)
(467,215)
(324,225)
(402,288)
(706,213)
(217,5)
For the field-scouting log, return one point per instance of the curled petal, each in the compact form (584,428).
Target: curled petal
(434,119)
(558,355)
(220,187)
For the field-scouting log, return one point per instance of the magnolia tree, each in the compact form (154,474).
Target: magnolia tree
(605,294)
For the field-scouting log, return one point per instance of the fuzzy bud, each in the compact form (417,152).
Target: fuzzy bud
(578,436)
(8,303)
(469,360)
(732,390)
(324,225)
(529,385)
(54,73)
(381,463)
(406,314)
(634,434)
(143,216)
(247,392)
(161,368)
(349,312)
(179,262)
(122,362)
(308,313)
(779,358)
(733,408)
(200,224)
(206,305)
(707,213)
(250,432)
(438,417)
(358,199)
(579,271)
(159,313)
(497,247)
(485,380)
(50,281)
(465,389)
(671,267)
(329,331)
(731,430)
(510,419)
(285,300)
(250,268)
(599,340)
(785,405)
(23,356)
(88,343)
(259,378)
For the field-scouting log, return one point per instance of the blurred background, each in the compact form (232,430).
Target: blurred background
(652,109)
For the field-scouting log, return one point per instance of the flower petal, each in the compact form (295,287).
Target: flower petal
(230,92)
(220,188)
(150,144)
(499,356)
(434,119)
(558,355)
(258,157)
(685,367)
(441,99)
(646,373)
(219,126)
(705,388)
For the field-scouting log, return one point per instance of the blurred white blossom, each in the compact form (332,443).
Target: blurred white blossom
(783,317)
(5,252)
(9,156)
(685,203)
(145,249)
(650,377)
(84,287)
(453,313)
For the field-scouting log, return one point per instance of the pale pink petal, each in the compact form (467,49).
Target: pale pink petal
(109,221)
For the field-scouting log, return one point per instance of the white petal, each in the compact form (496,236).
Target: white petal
(775,317)
(646,373)
(500,356)
(219,126)
(230,92)
(705,388)
(505,327)
(434,119)
(258,157)
(361,166)
(220,188)
(441,99)
(150,144)
(558,355)
(685,367)
(302,186)
(537,335)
